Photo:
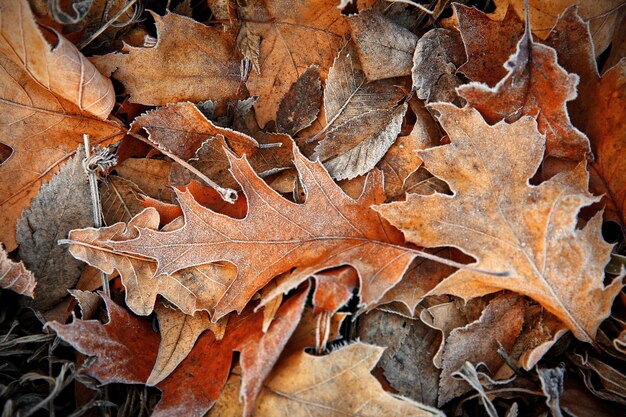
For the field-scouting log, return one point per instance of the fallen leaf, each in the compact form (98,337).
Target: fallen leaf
(293,35)
(604,16)
(190,289)
(499,325)
(119,199)
(301,104)
(603,380)
(59,68)
(334,288)
(150,175)
(15,277)
(489,42)
(88,302)
(362,119)
(512,225)
(179,333)
(407,361)
(67,199)
(437,56)
(289,235)
(536,85)
(385,48)
(190,62)
(336,384)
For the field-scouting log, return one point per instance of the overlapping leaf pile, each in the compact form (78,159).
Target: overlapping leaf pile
(281,165)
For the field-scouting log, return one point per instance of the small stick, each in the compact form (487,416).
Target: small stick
(95,202)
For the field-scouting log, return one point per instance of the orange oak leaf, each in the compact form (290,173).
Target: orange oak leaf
(497,217)
(190,61)
(536,85)
(209,361)
(290,36)
(15,277)
(43,117)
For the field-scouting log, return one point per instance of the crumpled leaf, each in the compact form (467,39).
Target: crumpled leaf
(66,199)
(363,119)
(604,16)
(339,383)
(515,226)
(552,386)
(190,289)
(385,48)
(209,360)
(15,277)
(277,235)
(437,56)
(294,35)
(499,325)
(190,62)
(536,85)
(602,379)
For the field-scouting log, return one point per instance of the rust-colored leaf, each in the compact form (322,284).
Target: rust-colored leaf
(15,277)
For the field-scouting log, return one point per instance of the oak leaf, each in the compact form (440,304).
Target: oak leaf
(15,277)
(497,217)
(536,85)
(337,384)
(277,235)
(190,61)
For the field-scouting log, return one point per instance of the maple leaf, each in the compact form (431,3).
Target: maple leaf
(168,72)
(15,277)
(126,351)
(337,384)
(501,220)
(290,36)
(536,85)
(39,128)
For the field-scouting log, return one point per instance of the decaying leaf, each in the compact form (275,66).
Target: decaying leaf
(119,198)
(301,104)
(536,85)
(385,48)
(437,56)
(499,325)
(517,227)
(67,199)
(15,277)
(294,35)
(288,235)
(190,61)
(336,384)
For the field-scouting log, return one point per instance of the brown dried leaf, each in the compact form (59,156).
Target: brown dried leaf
(499,325)
(339,383)
(294,35)
(150,175)
(15,277)
(437,56)
(385,48)
(119,199)
(190,289)
(329,229)
(536,85)
(301,104)
(190,61)
(512,226)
